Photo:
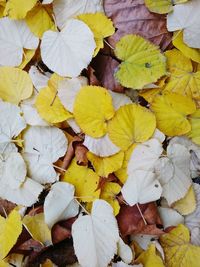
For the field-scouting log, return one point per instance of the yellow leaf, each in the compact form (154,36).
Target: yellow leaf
(49,106)
(131,124)
(2,7)
(149,258)
(85,181)
(100,25)
(92,109)
(4,263)
(17,9)
(187,204)
(159,6)
(38,229)
(40,19)
(15,85)
(10,229)
(149,94)
(182,79)
(122,174)
(109,192)
(194,134)
(187,51)
(162,6)
(28,55)
(105,165)
(54,81)
(178,250)
(142,63)
(171,112)
(48,263)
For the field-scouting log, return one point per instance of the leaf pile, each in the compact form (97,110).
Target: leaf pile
(99,133)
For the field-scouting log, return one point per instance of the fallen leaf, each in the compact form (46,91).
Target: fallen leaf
(96,244)
(142,62)
(92,109)
(146,24)
(123,132)
(135,224)
(178,249)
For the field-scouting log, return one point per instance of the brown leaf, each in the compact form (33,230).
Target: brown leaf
(132,17)
(6,207)
(60,254)
(130,220)
(81,155)
(92,77)
(105,67)
(62,230)
(70,152)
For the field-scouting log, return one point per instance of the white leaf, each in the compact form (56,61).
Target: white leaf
(72,48)
(124,251)
(42,147)
(102,146)
(39,80)
(25,195)
(159,135)
(119,100)
(192,221)
(144,240)
(72,123)
(141,187)
(68,90)
(66,9)
(11,124)
(95,236)
(144,156)
(45,2)
(122,264)
(186,17)
(194,151)
(12,170)
(30,113)
(14,37)
(170,217)
(59,204)
(173,173)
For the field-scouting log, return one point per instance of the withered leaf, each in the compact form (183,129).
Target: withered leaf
(132,17)
(130,220)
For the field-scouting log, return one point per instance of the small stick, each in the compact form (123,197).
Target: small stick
(109,44)
(145,222)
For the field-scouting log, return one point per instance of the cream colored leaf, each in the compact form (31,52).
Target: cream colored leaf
(68,89)
(102,146)
(170,217)
(59,204)
(14,37)
(144,156)
(42,147)
(39,79)
(25,195)
(72,48)
(95,236)
(12,170)
(173,173)
(66,9)
(124,251)
(119,100)
(141,187)
(11,125)
(181,19)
